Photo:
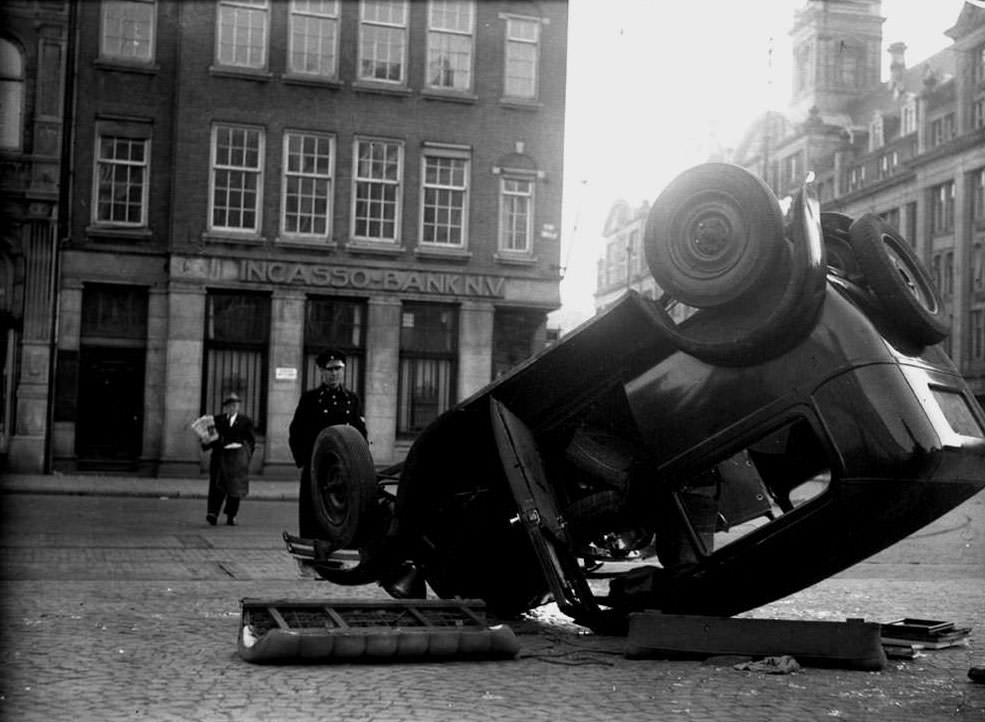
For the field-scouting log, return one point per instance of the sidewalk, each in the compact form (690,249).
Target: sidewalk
(106,485)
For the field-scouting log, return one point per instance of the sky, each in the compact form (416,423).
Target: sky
(651,82)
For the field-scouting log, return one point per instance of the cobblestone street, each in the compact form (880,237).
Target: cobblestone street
(123,609)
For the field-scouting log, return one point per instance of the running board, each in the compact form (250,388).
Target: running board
(330,630)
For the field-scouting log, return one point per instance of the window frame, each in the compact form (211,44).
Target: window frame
(509,40)
(259,173)
(335,17)
(261,6)
(979,66)
(976,340)
(13,111)
(255,401)
(463,154)
(942,207)
(98,162)
(398,184)
(106,54)
(942,130)
(908,116)
(404,29)
(408,356)
(978,195)
(433,31)
(329,178)
(355,351)
(502,231)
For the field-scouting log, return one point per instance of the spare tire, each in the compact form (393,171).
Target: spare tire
(343,484)
(714,235)
(899,280)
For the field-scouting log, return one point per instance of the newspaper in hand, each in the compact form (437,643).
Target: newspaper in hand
(204,426)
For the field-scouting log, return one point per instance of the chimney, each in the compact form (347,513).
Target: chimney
(897,67)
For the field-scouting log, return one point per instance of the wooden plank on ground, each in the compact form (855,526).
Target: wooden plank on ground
(853,644)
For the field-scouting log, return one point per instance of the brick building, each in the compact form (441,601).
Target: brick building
(911,150)
(256,180)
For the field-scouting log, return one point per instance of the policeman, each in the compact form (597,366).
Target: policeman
(328,405)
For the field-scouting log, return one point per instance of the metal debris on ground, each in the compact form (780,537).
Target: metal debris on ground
(903,637)
(326,630)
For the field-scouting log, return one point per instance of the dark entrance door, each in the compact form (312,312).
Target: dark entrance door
(111,406)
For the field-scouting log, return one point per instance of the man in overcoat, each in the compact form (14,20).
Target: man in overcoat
(327,405)
(230,462)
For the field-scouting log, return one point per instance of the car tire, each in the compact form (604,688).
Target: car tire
(343,484)
(714,235)
(899,280)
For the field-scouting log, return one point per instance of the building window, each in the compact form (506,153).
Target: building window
(383,40)
(978,114)
(11,95)
(911,223)
(948,286)
(888,163)
(942,207)
(909,116)
(849,66)
(516,211)
(237,174)
(979,69)
(891,217)
(802,74)
(121,185)
(314,37)
(516,337)
(856,177)
(376,191)
(637,260)
(445,200)
(935,270)
(242,36)
(942,130)
(308,163)
(522,57)
(237,333)
(978,195)
(978,334)
(428,350)
(876,139)
(615,261)
(792,170)
(450,28)
(335,323)
(128,29)
(978,267)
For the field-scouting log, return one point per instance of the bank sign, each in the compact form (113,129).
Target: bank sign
(338,277)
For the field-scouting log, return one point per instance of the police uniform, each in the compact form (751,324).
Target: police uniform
(317,409)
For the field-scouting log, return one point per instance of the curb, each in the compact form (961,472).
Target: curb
(145,487)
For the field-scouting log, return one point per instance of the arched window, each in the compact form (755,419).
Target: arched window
(11,95)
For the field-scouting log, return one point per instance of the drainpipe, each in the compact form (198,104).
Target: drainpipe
(63,220)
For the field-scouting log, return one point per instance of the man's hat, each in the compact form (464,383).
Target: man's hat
(332,354)
(231,397)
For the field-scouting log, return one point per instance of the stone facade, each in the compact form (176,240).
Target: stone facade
(35,52)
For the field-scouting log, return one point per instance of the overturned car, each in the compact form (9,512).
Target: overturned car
(798,420)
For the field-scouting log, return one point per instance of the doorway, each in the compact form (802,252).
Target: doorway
(110,420)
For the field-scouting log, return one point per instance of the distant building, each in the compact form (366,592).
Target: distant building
(911,150)
(256,181)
